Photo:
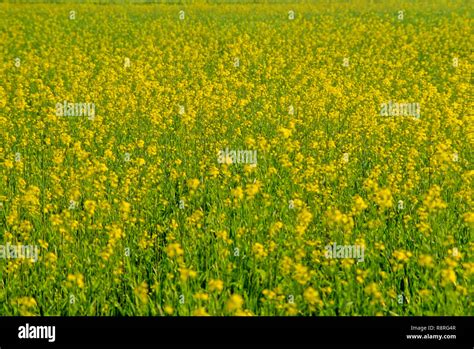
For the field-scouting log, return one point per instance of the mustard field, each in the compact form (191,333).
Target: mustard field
(295,159)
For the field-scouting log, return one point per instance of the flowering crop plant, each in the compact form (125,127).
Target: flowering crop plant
(233,158)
